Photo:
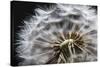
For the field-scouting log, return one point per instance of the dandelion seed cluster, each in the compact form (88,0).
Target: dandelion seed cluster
(59,34)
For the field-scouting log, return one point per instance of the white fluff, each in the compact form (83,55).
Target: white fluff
(45,22)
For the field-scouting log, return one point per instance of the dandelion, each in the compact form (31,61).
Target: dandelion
(59,34)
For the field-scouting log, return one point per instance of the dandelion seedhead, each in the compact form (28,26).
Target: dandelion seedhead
(59,34)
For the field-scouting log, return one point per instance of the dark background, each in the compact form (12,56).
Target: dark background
(21,10)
